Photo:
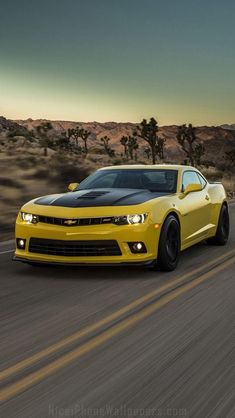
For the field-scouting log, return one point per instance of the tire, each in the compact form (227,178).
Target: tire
(169,245)
(222,232)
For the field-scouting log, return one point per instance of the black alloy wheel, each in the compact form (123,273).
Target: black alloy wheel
(169,244)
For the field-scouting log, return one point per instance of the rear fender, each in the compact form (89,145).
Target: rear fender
(218,197)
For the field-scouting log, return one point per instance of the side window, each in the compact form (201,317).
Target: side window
(190,177)
(202,180)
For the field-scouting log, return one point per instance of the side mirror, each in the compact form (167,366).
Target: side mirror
(72,187)
(193,187)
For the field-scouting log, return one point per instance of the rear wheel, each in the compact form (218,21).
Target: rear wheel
(169,245)
(222,232)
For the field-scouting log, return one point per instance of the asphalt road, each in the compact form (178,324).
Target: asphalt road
(111,342)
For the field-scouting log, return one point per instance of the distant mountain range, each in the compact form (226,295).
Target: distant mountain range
(217,139)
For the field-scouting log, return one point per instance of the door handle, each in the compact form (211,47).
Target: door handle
(207,197)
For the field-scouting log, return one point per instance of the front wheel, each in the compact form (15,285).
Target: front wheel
(169,245)
(222,232)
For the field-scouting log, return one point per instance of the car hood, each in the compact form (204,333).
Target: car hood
(101,197)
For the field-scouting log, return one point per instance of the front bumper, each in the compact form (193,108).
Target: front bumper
(145,233)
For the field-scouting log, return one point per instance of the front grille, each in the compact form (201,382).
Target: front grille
(75,221)
(74,248)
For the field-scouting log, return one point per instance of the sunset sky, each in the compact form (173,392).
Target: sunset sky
(118,60)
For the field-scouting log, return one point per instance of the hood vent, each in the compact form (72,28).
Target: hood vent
(92,195)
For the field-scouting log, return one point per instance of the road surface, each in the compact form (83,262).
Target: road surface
(110,342)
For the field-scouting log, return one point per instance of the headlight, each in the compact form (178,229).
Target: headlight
(130,219)
(136,219)
(29,218)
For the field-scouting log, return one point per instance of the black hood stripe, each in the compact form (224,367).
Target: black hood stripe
(101,197)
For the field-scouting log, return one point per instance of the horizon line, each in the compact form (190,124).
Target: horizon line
(111,121)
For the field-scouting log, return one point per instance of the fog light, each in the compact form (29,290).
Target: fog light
(21,243)
(137,247)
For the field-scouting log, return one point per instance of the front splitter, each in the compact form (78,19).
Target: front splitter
(88,264)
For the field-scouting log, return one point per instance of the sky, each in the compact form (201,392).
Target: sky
(118,60)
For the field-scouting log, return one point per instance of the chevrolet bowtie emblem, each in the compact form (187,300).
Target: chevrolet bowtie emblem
(70,222)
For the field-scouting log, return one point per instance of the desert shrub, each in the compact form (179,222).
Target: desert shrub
(63,174)
(7,182)
(117,161)
(98,159)
(229,184)
(208,163)
(142,161)
(96,150)
(40,174)
(27,162)
(212,173)
(69,172)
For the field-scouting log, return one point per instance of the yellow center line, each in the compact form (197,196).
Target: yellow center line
(35,377)
(105,321)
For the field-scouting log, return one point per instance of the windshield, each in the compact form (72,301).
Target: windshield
(155,180)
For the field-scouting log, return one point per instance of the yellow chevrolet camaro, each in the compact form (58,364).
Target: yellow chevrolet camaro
(138,214)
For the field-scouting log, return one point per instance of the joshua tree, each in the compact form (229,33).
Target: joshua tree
(84,135)
(160,147)
(124,142)
(43,131)
(193,149)
(105,142)
(132,145)
(74,134)
(148,132)
(63,142)
(199,151)
(147,151)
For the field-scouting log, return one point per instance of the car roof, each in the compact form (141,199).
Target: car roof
(149,167)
